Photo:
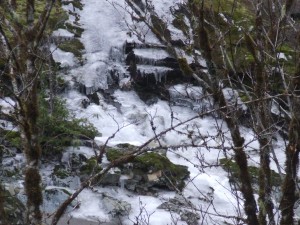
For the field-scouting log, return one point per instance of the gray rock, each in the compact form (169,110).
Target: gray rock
(13,209)
(182,207)
(53,198)
(110,179)
(189,217)
(72,182)
(116,207)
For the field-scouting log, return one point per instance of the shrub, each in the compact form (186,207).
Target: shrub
(59,129)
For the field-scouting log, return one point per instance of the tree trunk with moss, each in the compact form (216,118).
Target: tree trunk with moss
(21,41)
(30,140)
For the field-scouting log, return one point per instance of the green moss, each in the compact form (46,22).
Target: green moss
(91,166)
(77,31)
(231,166)
(160,27)
(57,20)
(180,24)
(150,162)
(244,97)
(113,154)
(57,15)
(239,11)
(286,49)
(184,66)
(75,46)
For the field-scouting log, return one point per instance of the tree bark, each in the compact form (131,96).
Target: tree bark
(24,76)
(29,134)
(3,216)
(262,123)
(292,157)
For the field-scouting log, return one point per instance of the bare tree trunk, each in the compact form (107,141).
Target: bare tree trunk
(229,115)
(240,157)
(262,116)
(292,157)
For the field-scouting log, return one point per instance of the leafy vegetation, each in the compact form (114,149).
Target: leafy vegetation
(74,46)
(59,129)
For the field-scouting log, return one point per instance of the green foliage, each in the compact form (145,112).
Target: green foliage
(77,31)
(56,20)
(113,154)
(13,137)
(74,46)
(180,24)
(58,129)
(160,27)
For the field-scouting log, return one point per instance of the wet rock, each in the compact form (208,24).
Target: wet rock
(94,98)
(151,94)
(74,161)
(13,209)
(71,181)
(109,98)
(85,103)
(54,197)
(183,207)
(189,217)
(65,175)
(110,179)
(115,207)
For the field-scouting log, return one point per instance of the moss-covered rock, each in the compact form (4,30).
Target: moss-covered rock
(172,175)
(151,170)
(113,154)
(91,166)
